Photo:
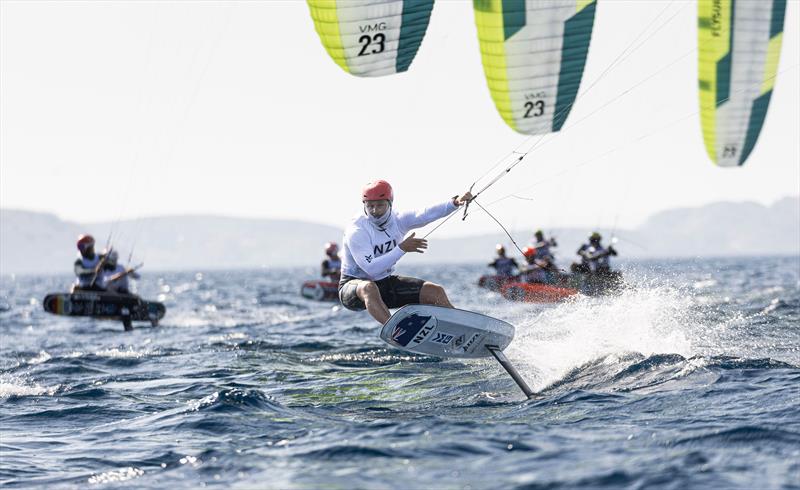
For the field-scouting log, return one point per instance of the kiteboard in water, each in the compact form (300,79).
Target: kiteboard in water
(449,332)
(446,332)
(320,290)
(126,308)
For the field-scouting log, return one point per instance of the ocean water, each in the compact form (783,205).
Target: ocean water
(690,378)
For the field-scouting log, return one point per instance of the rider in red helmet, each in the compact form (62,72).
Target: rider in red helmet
(538,267)
(375,241)
(529,252)
(532,271)
(332,265)
(87,265)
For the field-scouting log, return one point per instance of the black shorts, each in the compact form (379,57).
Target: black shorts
(396,291)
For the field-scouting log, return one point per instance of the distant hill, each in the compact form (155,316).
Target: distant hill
(32,242)
(36,242)
(41,243)
(725,229)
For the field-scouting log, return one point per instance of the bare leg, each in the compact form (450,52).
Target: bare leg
(368,293)
(433,294)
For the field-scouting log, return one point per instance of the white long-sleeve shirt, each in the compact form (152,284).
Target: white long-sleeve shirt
(371,253)
(85,270)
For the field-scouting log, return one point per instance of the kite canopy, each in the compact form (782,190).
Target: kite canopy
(533,56)
(371,38)
(739,44)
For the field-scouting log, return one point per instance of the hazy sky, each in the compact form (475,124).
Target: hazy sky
(129,109)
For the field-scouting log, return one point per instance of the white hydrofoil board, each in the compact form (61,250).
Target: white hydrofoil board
(446,332)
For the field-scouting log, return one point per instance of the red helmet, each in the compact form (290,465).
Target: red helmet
(529,252)
(331,248)
(85,241)
(377,191)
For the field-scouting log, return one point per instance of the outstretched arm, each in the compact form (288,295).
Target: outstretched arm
(603,253)
(418,219)
(131,271)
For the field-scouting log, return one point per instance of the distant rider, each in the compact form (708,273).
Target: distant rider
(537,270)
(87,265)
(505,266)
(332,265)
(594,257)
(114,277)
(543,246)
(375,241)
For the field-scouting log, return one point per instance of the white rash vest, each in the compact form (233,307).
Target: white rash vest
(371,253)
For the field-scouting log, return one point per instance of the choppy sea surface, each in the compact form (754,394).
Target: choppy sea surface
(690,378)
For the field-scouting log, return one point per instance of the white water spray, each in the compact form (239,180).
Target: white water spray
(645,321)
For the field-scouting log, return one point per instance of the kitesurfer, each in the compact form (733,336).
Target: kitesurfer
(536,269)
(375,241)
(332,265)
(594,256)
(87,265)
(114,277)
(505,266)
(542,247)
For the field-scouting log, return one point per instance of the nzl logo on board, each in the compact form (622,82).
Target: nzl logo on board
(413,329)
